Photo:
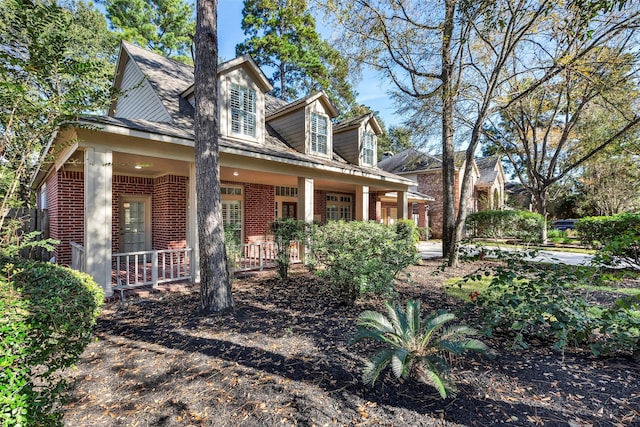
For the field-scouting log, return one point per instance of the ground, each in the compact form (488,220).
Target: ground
(282,358)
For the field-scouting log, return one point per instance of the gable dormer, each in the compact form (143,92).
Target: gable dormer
(241,99)
(356,140)
(306,124)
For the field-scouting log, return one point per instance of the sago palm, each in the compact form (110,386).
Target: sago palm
(414,347)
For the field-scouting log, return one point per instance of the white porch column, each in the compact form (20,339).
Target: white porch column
(403,204)
(192,225)
(98,177)
(305,199)
(362,203)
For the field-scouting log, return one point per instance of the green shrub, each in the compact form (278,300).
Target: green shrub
(359,257)
(46,316)
(619,328)
(617,238)
(523,225)
(414,347)
(285,231)
(424,233)
(533,300)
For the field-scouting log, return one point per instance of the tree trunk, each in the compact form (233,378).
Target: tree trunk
(215,285)
(541,207)
(448,162)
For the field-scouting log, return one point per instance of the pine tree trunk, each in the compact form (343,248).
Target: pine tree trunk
(215,285)
(448,165)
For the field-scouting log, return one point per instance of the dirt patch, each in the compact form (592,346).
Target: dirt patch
(281,358)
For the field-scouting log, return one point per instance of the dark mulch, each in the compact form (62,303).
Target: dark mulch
(281,358)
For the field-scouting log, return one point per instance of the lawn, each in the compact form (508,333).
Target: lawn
(281,358)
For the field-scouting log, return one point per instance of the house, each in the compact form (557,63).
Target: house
(425,171)
(120,189)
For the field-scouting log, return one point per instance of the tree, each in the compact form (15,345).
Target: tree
(163,26)
(398,138)
(566,121)
(56,62)
(460,58)
(282,36)
(215,283)
(608,184)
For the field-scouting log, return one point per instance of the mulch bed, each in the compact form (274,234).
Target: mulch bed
(281,358)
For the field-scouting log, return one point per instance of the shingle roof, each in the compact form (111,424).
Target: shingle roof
(412,160)
(488,168)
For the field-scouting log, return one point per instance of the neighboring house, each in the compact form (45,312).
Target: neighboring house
(425,171)
(120,189)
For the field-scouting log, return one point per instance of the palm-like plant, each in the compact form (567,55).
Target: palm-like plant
(414,347)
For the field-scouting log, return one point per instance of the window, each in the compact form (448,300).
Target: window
(338,207)
(367,148)
(286,191)
(232,210)
(319,133)
(243,111)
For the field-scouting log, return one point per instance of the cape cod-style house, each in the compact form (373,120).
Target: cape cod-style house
(120,189)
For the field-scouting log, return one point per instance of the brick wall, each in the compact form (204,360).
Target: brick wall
(430,183)
(320,205)
(259,203)
(65,198)
(375,207)
(170,212)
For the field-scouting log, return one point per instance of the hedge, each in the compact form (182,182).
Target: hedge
(523,225)
(46,316)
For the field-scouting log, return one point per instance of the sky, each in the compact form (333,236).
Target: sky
(372,89)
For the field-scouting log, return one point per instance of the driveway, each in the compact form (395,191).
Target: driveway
(433,249)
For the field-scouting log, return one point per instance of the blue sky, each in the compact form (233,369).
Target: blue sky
(372,90)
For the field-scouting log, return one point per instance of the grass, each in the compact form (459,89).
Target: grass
(542,248)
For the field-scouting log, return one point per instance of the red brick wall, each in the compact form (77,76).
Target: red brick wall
(430,183)
(127,186)
(320,205)
(65,198)
(258,209)
(170,212)
(375,207)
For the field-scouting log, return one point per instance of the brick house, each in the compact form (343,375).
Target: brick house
(124,183)
(425,171)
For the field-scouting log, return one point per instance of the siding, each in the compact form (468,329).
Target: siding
(138,99)
(292,128)
(347,145)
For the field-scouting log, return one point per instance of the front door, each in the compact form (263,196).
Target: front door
(134,224)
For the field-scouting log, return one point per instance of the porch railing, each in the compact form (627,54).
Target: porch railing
(77,256)
(133,269)
(258,256)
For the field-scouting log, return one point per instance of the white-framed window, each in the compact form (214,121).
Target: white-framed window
(368,148)
(232,210)
(286,191)
(319,133)
(243,111)
(339,207)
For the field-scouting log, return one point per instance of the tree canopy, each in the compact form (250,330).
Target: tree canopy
(56,63)
(166,27)
(282,36)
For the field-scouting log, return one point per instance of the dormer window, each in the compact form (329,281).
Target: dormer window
(367,148)
(243,111)
(319,133)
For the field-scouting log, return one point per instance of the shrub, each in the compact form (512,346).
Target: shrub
(532,299)
(46,316)
(617,238)
(414,347)
(424,233)
(285,231)
(359,257)
(523,225)
(619,328)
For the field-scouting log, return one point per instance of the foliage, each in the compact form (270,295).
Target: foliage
(282,35)
(56,62)
(616,237)
(360,257)
(398,138)
(232,245)
(523,225)
(166,27)
(414,347)
(619,328)
(533,300)
(286,231)
(46,316)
